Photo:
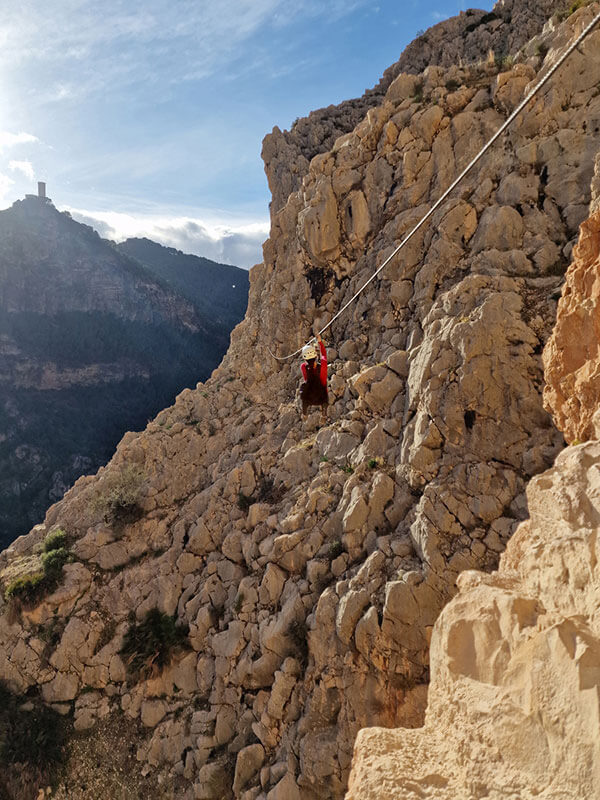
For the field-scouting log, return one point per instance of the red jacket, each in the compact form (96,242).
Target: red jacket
(323,369)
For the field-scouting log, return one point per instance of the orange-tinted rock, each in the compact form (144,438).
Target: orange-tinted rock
(572,355)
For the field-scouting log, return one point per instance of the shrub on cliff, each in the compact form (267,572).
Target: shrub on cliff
(118,498)
(28,589)
(55,540)
(53,562)
(32,588)
(150,645)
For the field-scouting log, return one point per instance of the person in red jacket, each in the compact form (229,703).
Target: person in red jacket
(313,391)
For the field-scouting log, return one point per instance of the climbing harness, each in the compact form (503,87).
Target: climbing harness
(471,164)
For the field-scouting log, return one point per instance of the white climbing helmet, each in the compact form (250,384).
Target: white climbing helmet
(308,352)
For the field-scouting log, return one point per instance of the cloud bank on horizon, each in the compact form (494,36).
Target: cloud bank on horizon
(239,244)
(151,110)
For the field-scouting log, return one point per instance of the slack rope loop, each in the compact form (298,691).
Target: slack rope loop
(467,169)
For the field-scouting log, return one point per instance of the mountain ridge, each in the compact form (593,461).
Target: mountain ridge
(96,331)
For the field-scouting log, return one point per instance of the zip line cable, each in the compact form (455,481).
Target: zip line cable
(471,164)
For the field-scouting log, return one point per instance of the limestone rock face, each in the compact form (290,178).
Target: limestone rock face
(572,355)
(472,36)
(513,699)
(309,563)
(474,33)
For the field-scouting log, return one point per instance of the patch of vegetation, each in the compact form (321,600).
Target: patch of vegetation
(321,281)
(562,15)
(267,492)
(452,85)
(418,92)
(373,463)
(348,468)
(239,603)
(55,540)
(32,743)
(335,549)
(324,459)
(504,62)
(150,645)
(118,499)
(29,590)
(541,50)
(53,562)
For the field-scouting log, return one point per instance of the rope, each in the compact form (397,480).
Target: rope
(471,164)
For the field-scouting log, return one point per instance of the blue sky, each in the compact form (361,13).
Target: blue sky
(146,118)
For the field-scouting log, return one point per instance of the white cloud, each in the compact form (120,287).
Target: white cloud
(8,139)
(25,167)
(110,45)
(229,242)
(6,185)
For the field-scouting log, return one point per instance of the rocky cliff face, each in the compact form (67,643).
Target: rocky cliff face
(513,700)
(92,343)
(571,358)
(471,37)
(311,564)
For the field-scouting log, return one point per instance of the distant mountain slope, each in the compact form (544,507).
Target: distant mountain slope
(93,343)
(218,289)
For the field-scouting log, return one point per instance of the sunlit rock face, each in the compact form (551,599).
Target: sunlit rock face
(512,707)
(513,700)
(93,342)
(571,357)
(311,563)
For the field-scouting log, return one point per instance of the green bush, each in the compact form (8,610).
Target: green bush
(149,645)
(29,589)
(118,498)
(55,540)
(562,15)
(335,549)
(53,562)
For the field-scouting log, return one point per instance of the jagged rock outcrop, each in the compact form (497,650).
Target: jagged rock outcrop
(311,564)
(472,36)
(572,355)
(475,34)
